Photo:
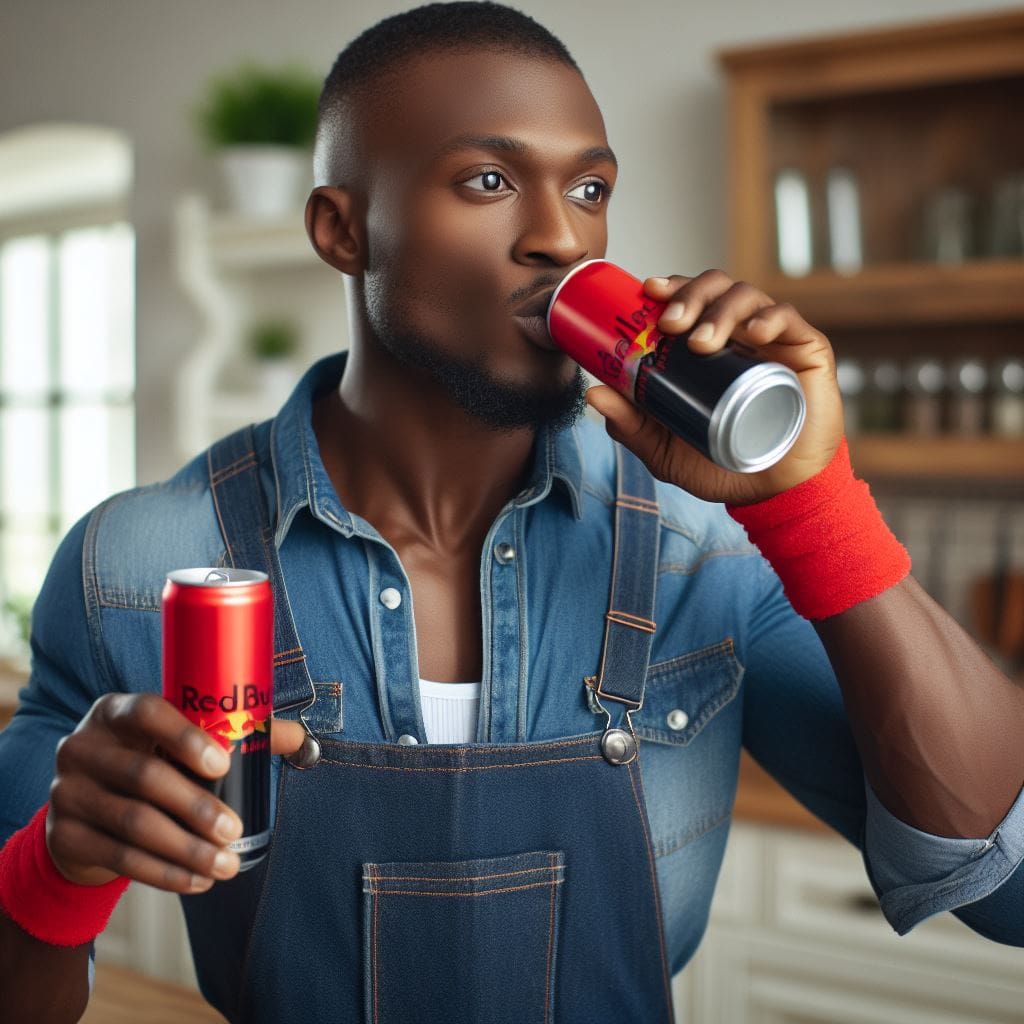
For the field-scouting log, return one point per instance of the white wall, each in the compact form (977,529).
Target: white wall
(138,65)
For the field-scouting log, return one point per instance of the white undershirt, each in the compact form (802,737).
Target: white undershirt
(450,711)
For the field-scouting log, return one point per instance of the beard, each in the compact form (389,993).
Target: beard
(496,402)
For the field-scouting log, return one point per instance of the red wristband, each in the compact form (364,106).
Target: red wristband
(826,540)
(41,901)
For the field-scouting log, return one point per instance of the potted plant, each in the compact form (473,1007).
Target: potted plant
(261,121)
(273,345)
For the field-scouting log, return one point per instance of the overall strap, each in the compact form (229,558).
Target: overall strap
(629,621)
(249,542)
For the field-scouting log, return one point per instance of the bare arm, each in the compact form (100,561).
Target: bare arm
(938,726)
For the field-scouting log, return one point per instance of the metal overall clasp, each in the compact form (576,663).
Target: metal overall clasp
(618,746)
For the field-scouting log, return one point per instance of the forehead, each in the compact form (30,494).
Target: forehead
(438,97)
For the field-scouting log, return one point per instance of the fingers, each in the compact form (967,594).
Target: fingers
(138,828)
(714,309)
(146,720)
(148,778)
(648,439)
(117,806)
(71,838)
(286,736)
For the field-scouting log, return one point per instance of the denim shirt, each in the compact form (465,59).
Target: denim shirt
(732,665)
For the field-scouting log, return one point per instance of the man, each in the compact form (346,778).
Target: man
(434,520)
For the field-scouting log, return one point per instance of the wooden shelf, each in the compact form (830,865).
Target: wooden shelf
(904,294)
(759,798)
(938,458)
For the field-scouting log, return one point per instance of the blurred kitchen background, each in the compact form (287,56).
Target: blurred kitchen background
(865,162)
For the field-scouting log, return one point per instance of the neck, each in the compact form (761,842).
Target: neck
(403,456)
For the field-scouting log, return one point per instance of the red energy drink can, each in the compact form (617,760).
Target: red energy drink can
(218,657)
(743,413)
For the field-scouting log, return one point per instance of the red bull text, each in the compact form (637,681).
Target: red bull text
(218,654)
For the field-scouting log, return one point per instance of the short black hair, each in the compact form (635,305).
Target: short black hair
(467,24)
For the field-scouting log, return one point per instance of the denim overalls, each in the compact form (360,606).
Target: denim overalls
(447,883)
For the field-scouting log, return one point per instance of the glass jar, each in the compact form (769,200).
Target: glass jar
(882,400)
(925,381)
(968,387)
(1008,398)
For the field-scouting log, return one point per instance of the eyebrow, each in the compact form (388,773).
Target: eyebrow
(507,144)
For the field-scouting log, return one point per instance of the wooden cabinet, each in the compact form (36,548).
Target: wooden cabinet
(909,115)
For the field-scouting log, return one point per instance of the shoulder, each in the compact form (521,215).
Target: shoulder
(691,528)
(133,539)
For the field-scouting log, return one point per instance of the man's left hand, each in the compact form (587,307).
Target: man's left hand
(713,308)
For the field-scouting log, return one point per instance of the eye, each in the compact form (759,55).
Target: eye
(489,181)
(592,193)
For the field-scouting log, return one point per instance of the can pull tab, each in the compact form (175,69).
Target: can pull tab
(216,574)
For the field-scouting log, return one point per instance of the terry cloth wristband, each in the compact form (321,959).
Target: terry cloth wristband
(826,540)
(41,901)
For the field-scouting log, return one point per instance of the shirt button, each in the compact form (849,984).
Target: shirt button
(504,553)
(390,598)
(678,719)
(407,741)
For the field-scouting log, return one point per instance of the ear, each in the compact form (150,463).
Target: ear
(336,227)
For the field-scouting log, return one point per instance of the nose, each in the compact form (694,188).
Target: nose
(552,232)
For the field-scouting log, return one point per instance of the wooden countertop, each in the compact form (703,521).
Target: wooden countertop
(121,996)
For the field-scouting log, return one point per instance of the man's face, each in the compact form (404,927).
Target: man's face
(487,181)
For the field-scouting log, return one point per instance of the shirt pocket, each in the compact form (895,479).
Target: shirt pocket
(690,730)
(439,938)
(684,694)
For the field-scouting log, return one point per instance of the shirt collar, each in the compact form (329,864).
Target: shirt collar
(301,480)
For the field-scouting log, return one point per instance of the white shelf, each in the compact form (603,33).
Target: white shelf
(236,270)
(237,244)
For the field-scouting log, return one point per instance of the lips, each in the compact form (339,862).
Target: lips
(532,319)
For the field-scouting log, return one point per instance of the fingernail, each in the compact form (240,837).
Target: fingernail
(227,828)
(703,333)
(200,883)
(661,282)
(674,311)
(215,759)
(225,864)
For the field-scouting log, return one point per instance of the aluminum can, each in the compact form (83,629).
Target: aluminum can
(218,655)
(742,412)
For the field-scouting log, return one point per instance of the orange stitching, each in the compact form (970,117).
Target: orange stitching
(470,768)
(638,505)
(461,878)
(376,904)
(291,650)
(551,937)
(250,454)
(654,890)
(485,749)
(289,661)
(484,892)
(633,621)
(228,474)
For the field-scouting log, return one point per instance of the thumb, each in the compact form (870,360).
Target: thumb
(633,428)
(622,417)
(286,736)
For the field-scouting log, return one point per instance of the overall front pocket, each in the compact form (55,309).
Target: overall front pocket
(462,941)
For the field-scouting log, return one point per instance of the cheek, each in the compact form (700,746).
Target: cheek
(439,258)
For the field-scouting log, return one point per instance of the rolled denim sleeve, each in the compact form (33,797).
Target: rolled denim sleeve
(64,681)
(917,874)
(795,725)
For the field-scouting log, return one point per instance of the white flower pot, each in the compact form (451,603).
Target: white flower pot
(265,181)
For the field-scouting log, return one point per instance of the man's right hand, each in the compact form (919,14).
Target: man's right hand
(120,804)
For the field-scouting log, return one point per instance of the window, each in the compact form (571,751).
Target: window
(67,373)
